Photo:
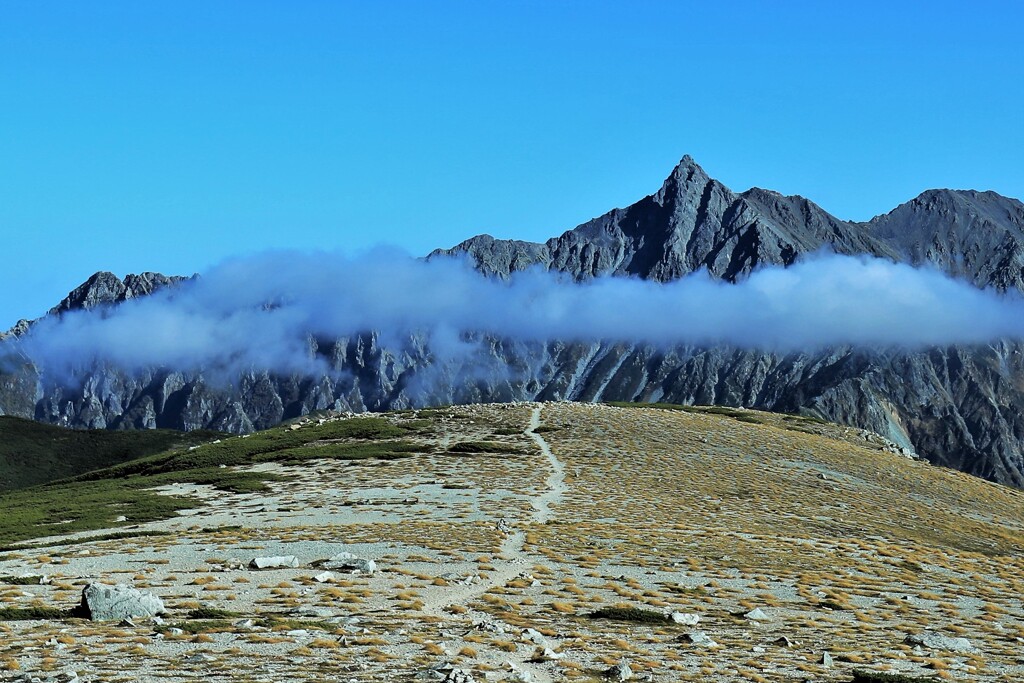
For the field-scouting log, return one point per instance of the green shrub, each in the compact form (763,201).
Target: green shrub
(484,447)
(211,613)
(632,614)
(860,676)
(32,613)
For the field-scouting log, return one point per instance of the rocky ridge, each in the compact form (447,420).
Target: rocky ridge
(957,406)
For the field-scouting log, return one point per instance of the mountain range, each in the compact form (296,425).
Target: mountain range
(958,406)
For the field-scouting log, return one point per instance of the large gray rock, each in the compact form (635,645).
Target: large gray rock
(101,602)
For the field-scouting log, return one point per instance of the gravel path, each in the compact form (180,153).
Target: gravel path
(556,480)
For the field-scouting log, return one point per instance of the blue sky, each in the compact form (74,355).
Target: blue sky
(167,136)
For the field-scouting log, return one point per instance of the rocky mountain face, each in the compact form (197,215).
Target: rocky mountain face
(957,406)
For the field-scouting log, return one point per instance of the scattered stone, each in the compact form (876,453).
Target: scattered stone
(503,526)
(349,562)
(535,636)
(101,602)
(68,676)
(324,577)
(757,614)
(198,658)
(546,654)
(491,627)
(518,675)
(276,562)
(685,619)
(699,638)
(620,672)
(826,660)
(783,641)
(458,676)
(936,641)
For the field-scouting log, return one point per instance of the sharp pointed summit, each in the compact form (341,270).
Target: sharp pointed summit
(961,406)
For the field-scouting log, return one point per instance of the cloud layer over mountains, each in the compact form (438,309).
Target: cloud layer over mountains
(259,312)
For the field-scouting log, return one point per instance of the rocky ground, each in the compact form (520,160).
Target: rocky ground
(549,542)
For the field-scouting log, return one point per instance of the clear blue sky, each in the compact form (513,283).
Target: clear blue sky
(165,136)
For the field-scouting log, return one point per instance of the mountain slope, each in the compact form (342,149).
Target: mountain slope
(32,453)
(542,542)
(978,236)
(957,406)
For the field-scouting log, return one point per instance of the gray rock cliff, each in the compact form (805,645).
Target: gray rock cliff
(957,406)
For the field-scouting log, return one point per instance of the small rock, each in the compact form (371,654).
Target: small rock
(757,614)
(489,626)
(685,619)
(826,660)
(620,672)
(699,638)
(275,562)
(518,675)
(783,641)
(324,577)
(535,636)
(936,641)
(458,676)
(198,658)
(546,654)
(349,562)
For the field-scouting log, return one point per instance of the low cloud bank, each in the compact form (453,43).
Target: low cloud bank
(260,312)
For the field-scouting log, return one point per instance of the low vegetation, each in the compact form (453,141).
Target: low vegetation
(885,677)
(484,447)
(94,500)
(33,453)
(33,613)
(632,614)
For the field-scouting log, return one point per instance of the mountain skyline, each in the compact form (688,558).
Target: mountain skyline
(903,245)
(141,138)
(366,335)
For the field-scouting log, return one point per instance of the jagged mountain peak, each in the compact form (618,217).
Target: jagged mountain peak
(959,406)
(104,288)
